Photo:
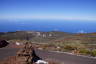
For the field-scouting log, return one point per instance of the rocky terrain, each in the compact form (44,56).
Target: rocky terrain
(25,55)
(80,44)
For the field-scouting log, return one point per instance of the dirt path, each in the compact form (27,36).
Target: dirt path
(66,58)
(6,52)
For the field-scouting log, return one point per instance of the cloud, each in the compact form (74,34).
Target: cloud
(50,17)
(81,31)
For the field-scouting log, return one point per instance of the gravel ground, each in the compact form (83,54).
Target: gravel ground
(61,57)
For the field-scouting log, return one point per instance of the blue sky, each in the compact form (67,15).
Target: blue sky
(48,9)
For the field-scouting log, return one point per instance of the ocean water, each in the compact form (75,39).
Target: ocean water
(48,25)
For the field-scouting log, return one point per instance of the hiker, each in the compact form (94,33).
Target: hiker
(35,58)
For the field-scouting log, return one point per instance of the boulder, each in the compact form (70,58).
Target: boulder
(3,43)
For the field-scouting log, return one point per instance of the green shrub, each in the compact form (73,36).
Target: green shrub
(93,53)
(73,46)
(84,51)
(69,47)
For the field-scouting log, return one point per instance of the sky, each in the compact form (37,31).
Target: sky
(48,9)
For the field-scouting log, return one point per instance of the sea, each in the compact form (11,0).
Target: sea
(71,26)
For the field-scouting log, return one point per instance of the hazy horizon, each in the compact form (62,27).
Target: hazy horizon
(48,25)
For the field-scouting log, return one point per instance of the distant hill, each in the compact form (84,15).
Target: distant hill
(35,36)
(52,36)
